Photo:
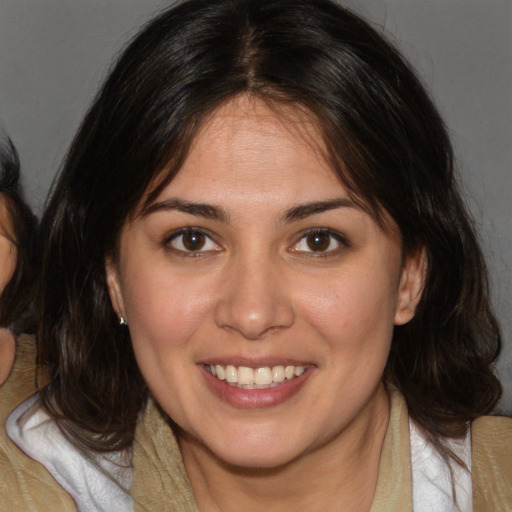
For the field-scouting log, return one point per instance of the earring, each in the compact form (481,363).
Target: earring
(122,321)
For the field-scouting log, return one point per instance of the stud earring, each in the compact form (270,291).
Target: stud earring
(122,321)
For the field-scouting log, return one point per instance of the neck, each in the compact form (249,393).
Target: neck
(339,475)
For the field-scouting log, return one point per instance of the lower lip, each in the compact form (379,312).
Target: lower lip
(254,398)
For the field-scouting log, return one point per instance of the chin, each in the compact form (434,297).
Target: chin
(258,454)
(251,461)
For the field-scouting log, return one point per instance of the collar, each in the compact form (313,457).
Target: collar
(97,483)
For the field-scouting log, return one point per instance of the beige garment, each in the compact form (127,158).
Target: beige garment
(158,466)
(25,485)
(160,483)
(492,464)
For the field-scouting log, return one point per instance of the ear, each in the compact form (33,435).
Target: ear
(412,282)
(114,287)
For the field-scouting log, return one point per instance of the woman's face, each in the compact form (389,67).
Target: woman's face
(8,252)
(260,298)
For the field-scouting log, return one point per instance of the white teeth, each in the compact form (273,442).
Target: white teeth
(219,370)
(299,370)
(278,374)
(231,374)
(289,372)
(263,376)
(250,378)
(245,376)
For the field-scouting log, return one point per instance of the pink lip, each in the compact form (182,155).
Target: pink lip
(254,398)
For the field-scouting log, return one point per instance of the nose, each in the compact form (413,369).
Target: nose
(254,300)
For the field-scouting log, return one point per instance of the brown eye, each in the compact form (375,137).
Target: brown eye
(318,242)
(188,241)
(322,242)
(193,241)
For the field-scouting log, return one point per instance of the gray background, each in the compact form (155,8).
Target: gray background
(54,53)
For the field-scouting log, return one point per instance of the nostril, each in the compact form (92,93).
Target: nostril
(253,320)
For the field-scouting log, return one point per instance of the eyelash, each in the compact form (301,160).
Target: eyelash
(167,242)
(340,239)
(210,239)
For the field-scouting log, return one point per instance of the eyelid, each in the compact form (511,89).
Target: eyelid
(336,235)
(166,242)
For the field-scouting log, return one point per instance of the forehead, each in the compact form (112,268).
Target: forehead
(268,121)
(254,146)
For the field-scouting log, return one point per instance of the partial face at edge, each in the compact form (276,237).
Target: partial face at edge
(8,251)
(255,266)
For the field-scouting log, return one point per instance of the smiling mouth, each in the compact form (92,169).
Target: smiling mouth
(255,378)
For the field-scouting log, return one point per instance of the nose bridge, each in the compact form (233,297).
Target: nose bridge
(254,299)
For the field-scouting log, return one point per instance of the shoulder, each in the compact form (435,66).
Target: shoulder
(24,483)
(492,463)
(21,382)
(492,438)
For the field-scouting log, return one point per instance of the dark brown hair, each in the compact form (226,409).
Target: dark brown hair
(384,138)
(17,297)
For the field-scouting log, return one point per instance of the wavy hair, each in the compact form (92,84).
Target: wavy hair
(384,139)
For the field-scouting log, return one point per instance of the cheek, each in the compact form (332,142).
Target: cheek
(353,310)
(8,258)
(164,311)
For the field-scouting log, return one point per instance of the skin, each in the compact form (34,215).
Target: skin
(8,252)
(257,293)
(8,258)
(7,353)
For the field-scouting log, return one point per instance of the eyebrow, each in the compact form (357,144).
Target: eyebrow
(305,210)
(207,211)
(219,214)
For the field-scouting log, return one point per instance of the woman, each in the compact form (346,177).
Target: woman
(17,256)
(260,287)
